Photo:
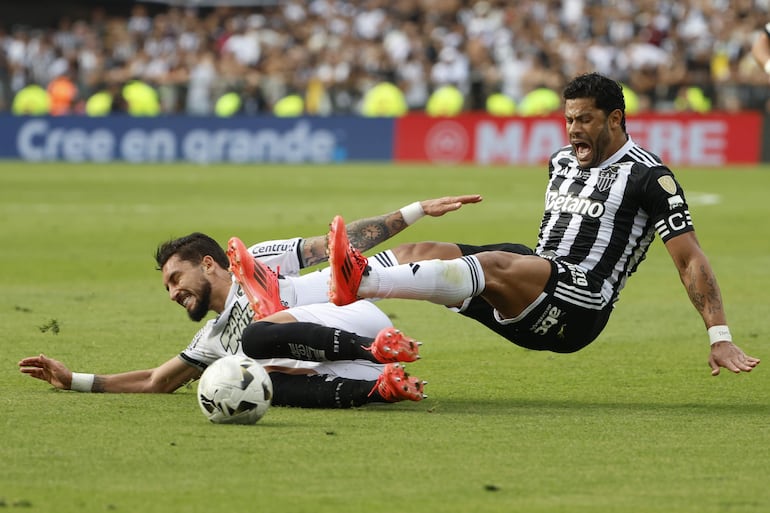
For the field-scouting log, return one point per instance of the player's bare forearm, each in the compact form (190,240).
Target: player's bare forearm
(698,278)
(364,234)
(703,290)
(163,379)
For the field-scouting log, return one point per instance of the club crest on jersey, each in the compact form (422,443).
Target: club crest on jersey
(607,177)
(667,184)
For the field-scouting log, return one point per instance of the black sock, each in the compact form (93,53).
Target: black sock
(303,341)
(318,391)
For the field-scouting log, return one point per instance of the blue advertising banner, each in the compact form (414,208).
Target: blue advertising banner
(196,139)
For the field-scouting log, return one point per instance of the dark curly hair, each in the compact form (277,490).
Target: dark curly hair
(607,93)
(191,248)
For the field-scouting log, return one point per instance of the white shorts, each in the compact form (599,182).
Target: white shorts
(362,317)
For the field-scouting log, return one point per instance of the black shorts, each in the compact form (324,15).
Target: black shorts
(558,322)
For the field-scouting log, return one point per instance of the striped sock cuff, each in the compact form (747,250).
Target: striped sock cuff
(477,274)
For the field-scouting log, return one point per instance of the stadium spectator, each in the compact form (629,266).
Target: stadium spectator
(605,200)
(384,100)
(499,104)
(31,100)
(62,93)
(195,273)
(193,56)
(446,101)
(290,106)
(760,50)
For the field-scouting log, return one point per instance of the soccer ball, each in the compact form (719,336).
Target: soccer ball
(235,390)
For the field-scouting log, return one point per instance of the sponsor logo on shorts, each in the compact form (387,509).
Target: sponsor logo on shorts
(303,352)
(548,320)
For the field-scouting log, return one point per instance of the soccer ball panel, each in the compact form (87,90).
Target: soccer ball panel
(235,390)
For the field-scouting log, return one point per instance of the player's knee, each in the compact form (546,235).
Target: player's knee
(513,280)
(500,265)
(256,339)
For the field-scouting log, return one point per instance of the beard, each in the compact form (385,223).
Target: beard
(202,304)
(600,145)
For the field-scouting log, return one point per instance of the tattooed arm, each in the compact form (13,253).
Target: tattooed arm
(366,233)
(701,284)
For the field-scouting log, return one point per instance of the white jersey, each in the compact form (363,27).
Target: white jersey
(221,336)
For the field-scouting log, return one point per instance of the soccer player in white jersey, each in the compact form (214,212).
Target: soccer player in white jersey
(196,273)
(605,200)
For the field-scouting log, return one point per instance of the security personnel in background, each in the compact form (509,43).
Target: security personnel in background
(63,92)
(290,106)
(446,101)
(31,100)
(692,99)
(384,100)
(540,102)
(107,100)
(99,104)
(141,99)
(228,105)
(499,104)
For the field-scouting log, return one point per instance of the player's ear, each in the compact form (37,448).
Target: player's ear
(615,118)
(208,263)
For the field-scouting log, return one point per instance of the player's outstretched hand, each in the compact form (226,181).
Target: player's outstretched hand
(731,357)
(440,206)
(47,369)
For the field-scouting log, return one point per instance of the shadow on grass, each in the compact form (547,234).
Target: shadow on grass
(531,406)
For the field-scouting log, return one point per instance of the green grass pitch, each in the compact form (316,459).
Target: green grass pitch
(634,423)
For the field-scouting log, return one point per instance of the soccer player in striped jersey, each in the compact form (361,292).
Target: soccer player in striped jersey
(605,200)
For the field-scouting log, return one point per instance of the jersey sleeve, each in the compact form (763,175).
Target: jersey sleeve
(283,254)
(197,352)
(665,202)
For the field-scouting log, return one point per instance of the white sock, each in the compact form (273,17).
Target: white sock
(307,289)
(383,259)
(446,282)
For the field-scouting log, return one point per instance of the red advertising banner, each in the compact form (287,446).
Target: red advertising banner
(678,139)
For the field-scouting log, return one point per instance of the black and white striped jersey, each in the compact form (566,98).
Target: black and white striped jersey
(603,219)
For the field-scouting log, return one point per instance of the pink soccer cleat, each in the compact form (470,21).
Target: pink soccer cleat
(258,281)
(390,345)
(395,385)
(346,263)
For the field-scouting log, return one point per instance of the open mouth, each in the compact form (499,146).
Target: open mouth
(186,301)
(582,151)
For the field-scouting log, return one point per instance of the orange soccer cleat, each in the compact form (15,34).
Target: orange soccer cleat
(390,345)
(258,281)
(395,385)
(346,263)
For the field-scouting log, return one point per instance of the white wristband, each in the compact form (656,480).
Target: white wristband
(767,67)
(82,382)
(719,333)
(412,212)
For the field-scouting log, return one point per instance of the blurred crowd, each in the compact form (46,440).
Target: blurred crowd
(330,53)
